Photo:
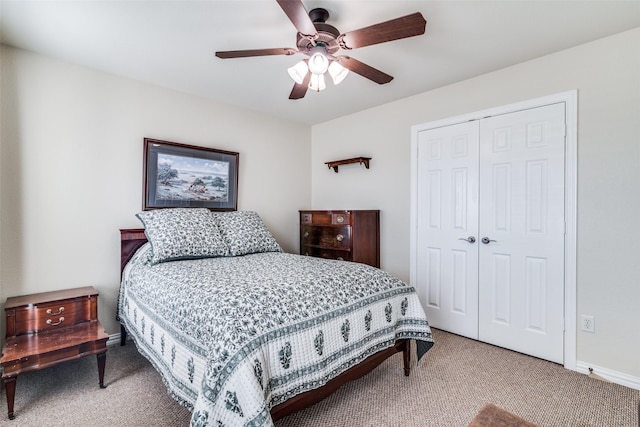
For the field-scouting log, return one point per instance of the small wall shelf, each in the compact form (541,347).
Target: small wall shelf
(334,164)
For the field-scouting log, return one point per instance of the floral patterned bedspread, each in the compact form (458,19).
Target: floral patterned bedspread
(235,336)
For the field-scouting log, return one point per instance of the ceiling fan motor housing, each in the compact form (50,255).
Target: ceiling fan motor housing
(327,34)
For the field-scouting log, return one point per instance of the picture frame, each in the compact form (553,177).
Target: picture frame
(182,175)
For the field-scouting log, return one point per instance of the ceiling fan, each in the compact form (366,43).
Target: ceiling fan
(319,42)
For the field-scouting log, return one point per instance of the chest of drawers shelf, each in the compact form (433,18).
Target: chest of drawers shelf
(349,235)
(49,328)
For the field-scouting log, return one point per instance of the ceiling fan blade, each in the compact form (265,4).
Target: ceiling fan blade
(399,28)
(255,52)
(364,70)
(298,15)
(300,89)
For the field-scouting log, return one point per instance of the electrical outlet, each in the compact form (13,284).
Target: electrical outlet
(587,323)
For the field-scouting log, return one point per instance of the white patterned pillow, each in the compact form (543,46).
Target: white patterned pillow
(182,233)
(245,233)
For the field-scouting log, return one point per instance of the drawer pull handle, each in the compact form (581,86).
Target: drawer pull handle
(60,310)
(339,237)
(50,322)
(306,234)
(340,258)
(340,219)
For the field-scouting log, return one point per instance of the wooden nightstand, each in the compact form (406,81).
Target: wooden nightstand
(50,328)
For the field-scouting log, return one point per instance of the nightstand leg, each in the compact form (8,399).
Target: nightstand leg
(102,358)
(10,387)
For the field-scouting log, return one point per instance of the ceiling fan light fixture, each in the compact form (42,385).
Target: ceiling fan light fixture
(318,61)
(317,82)
(298,71)
(337,72)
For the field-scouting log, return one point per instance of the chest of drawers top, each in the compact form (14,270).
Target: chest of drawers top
(326,217)
(28,314)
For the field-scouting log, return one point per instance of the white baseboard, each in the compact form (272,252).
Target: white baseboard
(114,339)
(608,374)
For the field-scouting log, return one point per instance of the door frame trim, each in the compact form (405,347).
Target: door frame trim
(570,98)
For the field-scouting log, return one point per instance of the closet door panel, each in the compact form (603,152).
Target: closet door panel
(521,297)
(447,270)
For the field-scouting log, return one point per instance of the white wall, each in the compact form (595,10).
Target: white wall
(71,172)
(607,75)
(71,152)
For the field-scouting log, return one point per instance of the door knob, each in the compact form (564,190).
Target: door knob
(469,239)
(486,240)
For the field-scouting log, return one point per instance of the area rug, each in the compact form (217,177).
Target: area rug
(492,416)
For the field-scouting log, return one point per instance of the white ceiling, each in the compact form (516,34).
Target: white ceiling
(172,44)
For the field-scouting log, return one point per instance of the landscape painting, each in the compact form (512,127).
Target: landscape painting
(179,175)
(188,178)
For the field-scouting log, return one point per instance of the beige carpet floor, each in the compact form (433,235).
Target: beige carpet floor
(449,387)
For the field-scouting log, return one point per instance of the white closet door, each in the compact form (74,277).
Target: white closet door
(447,221)
(521,281)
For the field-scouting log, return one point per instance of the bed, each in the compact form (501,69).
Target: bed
(244,334)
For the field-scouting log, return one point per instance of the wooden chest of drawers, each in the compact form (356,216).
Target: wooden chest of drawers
(349,235)
(49,328)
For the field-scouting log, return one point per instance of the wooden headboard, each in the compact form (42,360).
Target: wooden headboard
(130,241)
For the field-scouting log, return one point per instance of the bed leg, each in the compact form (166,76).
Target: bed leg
(123,335)
(406,357)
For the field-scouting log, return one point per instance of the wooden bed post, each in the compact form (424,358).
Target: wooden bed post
(406,357)
(130,241)
(123,335)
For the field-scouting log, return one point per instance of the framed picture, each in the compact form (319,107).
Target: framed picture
(180,175)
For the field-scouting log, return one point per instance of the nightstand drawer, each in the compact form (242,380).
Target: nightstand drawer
(53,315)
(50,310)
